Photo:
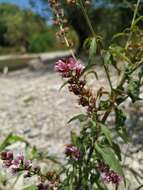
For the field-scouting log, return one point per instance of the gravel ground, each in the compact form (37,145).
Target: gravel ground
(31,105)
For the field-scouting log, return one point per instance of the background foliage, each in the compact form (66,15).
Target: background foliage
(23,30)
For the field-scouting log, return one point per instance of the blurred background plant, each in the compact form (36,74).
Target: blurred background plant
(27,30)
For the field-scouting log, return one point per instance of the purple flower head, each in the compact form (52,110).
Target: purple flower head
(108,175)
(7,163)
(3,155)
(18,160)
(7,158)
(9,155)
(15,164)
(72,151)
(78,69)
(62,67)
(6,155)
(67,66)
(14,169)
(72,63)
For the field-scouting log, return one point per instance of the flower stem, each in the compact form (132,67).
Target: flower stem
(132,23)
(108,76)
(87,18)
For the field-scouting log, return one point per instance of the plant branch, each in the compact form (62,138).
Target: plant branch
(133,21)
(87,18)
(108,76)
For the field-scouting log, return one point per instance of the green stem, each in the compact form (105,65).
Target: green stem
(107,113)
(135,13)
(87,18)
(116,187)
(132,23)
(65,37)
(93,33)
(108,76)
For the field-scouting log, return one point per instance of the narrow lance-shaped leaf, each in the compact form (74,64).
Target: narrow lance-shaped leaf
(92,72)
(121,34)
(107,58)
(107,133)
(63,85)
(80,117)
(73,137)
(138,20)
(30,187)
(120,118)
(110,159)
(117,150)
(133,90)
(10,139)
(92,51)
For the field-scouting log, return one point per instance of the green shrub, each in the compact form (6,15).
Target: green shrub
(42,42)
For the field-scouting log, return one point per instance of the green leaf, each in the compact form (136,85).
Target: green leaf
(88,67)
(122,132)
(10,139)
(120,118)
(140,187)
(107,133)
(63,85)
(133,90)
(54,159)
(87,43)
(34,153)
(30,187)
(104,104)
(107,58)
(101,185)
(140,74)
(92,51)
(119,35)
(137,20)
(73,137)
(80,117)
(109,158)
(117,150)
(118,51)
(93,72)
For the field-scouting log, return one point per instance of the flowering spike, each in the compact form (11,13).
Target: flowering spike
(108,175)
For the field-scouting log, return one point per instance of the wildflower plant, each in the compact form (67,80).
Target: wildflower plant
(94,156)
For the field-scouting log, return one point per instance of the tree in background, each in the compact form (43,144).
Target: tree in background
(22,30)
(107,16)
(29,31)
(19,26)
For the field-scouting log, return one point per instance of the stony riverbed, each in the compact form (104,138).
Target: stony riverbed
(32,106)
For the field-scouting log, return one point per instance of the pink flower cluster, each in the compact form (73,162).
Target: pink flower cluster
(48,182)
(15,164)
(68,67)
(108,175)
(72,152)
